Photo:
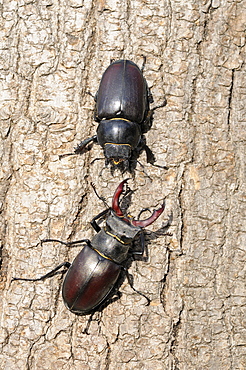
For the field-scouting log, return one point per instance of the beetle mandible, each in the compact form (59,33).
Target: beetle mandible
(96,269)
(122,110)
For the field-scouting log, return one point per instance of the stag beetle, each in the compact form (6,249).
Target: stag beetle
(122,110)
(96,269)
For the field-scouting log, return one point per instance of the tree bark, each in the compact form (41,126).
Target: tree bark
(52,54)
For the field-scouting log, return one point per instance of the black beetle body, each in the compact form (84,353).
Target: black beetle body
(122,110)
(96,269)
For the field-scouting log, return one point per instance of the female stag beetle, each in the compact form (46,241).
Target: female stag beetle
(96,269)
(122,110)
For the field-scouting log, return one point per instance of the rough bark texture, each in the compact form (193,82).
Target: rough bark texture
(52,53)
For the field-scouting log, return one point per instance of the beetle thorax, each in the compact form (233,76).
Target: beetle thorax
(121,229)
(115,239)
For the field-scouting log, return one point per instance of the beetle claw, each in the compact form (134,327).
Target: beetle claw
(115,201)
(151,219)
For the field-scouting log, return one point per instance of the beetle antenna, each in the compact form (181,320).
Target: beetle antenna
(99,196)
(125,201)
(141,165)
(96,159)
(66,155)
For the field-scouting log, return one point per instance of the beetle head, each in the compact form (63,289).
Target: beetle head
(118,137)
(117,154)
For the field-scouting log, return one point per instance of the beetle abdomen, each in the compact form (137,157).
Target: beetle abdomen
(122,92)
(88,281)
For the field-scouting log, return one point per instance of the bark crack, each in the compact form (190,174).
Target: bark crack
(174,339)
(108,359)
(230,99)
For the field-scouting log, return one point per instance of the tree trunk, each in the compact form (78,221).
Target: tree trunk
(52,54)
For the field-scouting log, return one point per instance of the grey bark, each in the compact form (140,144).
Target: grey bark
(54,52)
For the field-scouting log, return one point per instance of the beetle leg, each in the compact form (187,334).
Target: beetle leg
(142,240)
(93,96)
(149,154)
(48,275)
(142,243)
(159,106)
(146,125)
(144,62)
(81,147)
(143,170)
(135,290)
(86,329)
(94,224)
(150,96)
(99,309)
(87,241)
(151,158)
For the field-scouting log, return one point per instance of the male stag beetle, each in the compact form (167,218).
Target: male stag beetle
(96,269)
(122,110)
